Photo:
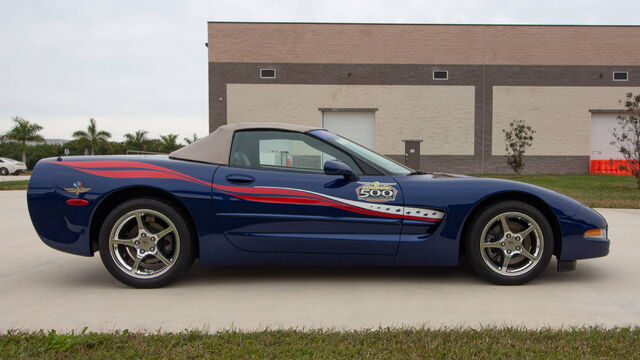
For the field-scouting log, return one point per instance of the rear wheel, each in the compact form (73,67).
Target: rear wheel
(510,243)
(145,243)
(4,171)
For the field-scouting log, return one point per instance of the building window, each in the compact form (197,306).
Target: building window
(267,73)
(620,76)
(440,75)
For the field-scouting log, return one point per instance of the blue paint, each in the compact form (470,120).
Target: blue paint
(234,231)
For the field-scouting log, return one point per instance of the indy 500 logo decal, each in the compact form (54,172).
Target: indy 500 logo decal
(376,191)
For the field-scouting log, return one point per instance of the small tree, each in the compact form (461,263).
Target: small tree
(137,140)
(627,135)
(517,139)
(24,131)
(192,140)
(169,142)
(92,137)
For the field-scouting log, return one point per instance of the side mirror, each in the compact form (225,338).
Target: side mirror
(332,167)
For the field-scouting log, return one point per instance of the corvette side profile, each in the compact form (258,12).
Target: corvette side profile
(281,194)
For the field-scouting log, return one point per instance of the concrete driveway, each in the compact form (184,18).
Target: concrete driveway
(14,178)
(41,288)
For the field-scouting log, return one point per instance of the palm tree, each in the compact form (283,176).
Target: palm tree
(24,131)
(92,137)
(138,140)
(191,141)
(169,142)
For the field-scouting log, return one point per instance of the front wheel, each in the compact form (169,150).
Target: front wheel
(146,243)
(510,243)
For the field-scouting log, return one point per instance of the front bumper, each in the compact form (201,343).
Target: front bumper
(574,245)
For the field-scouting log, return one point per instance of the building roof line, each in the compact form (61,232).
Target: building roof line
(412,24)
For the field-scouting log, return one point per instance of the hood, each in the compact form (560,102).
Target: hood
(448,189)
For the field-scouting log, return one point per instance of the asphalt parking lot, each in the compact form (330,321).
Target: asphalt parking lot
(41,288)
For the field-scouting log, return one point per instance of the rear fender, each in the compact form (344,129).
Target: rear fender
(72,228)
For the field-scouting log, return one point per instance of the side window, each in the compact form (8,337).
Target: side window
(284,150)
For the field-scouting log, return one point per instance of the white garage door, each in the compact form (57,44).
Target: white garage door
(601,127)
(354,125)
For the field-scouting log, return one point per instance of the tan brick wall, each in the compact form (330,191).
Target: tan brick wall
(348,44)
(423,44)
(559,114)
(563,45)
(443,116)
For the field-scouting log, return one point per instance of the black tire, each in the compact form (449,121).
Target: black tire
(4,171)
(531,252)
(177,246)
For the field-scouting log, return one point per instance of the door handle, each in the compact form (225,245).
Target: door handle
(240,179)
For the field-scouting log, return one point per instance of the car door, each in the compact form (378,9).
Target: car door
(275,197)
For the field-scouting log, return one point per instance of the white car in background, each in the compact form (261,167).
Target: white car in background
(10,166)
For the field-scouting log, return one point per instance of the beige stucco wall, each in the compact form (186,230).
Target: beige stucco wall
(559,114)
(443,116)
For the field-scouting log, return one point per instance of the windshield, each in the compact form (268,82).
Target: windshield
(383,162)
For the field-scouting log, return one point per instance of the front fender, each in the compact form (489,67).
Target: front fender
(458,197)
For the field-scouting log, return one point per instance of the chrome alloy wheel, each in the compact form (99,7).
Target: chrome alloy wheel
(144,243)
(511,244)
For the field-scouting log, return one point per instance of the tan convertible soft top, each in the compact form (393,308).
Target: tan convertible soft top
(214,148)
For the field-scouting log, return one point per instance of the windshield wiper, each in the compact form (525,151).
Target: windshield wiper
(417,172)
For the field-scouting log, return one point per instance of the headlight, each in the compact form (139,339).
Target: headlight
(596,234)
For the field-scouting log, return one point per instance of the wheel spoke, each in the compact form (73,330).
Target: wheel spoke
(504,223)
(126,242)
(495,244)
(528,255)
(164,232)
(505,263)
(523,234)
(136,264)
(140,222)
(162,258)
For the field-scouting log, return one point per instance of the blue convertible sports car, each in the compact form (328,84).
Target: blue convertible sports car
(267,194)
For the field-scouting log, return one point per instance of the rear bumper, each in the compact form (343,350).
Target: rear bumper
(49,217)
(19,169)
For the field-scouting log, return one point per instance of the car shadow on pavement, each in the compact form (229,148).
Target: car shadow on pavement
(585,271)
(96,276)
(201,274)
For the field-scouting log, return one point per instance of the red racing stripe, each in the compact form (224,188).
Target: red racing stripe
(128,164)
(264,195)
(307,201)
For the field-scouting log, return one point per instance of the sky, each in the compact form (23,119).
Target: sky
(138,64)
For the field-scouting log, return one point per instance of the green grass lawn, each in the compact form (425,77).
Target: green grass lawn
(14,185)
(605,191)
(388,344)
